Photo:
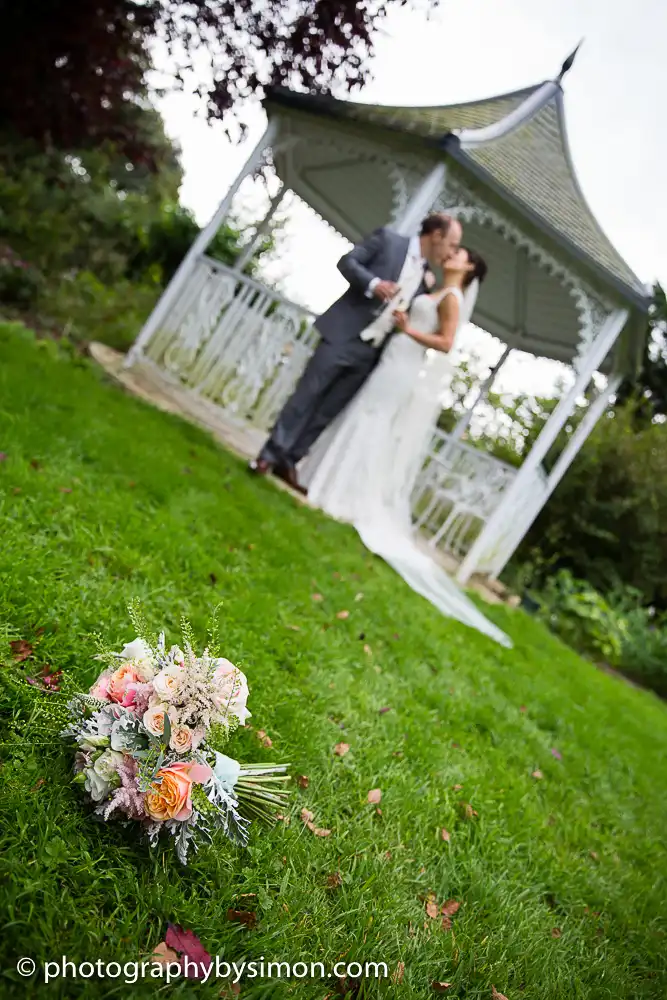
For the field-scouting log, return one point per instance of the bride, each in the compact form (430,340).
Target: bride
(363,468)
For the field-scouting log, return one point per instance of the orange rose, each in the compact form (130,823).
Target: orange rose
(171,798)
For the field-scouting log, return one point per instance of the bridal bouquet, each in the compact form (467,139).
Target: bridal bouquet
(149,738)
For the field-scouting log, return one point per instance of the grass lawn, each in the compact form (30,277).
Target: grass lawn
(561,879)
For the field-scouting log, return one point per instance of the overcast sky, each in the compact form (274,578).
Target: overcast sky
(615,106)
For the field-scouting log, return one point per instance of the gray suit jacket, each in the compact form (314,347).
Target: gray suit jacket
(381,255)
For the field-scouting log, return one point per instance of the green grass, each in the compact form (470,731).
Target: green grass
(157,510)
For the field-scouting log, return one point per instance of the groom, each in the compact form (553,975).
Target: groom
(384,271)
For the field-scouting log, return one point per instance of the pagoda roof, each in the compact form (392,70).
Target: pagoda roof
(530,166)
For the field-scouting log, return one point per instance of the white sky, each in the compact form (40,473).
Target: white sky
(615,100)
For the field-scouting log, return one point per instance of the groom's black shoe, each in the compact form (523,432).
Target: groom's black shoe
(259,466)
(288,475)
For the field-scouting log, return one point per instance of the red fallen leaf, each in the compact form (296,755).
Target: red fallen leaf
(445,834)
(398,973)
(246,917)
(495,995)
(334,881)
(65,489)
(382,711)
(432,910)
(317,597)
(456,746)
(375,796)
(440,987)
(341,749)
(556,932)
(163,955)
(446,924)
(537,775)
(449,908)
(343,615)
(190,947)
(21,649)
(303,781)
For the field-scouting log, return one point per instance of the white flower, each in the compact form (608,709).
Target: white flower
(106,766)
(181,739)
(139,653)
(101,777)
(166,684)
(153,719)
(231,689)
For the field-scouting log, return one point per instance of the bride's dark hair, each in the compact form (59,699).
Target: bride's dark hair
(479,270)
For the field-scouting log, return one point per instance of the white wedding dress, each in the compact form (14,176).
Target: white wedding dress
(363,468)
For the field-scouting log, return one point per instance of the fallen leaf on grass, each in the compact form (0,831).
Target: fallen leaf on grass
(21,649)
(556,932)
(343,615)
(307,815)
(265,740)
(303,781)
(3,456)
(230,990)
(383,711)
(457,788)
(468,811)
(294,628)
(375,796)
(163,955)
(334,881)
(47,679)
(65,489)
(246,917)
(440,987)
(432,910)
(317,597)
(190,947)
(17,490)
(318,831)
(367,650)
(445,834)
(537,775)
(556,753)
(594,855)
(283,819)
(38,784)
(341,749)
(398,973)
(35,464)
(449,908)
(446,924)
(495,995)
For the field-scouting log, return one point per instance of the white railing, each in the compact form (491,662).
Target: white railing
(243,346)
(235,342)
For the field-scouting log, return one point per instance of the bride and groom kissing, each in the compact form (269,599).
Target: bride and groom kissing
(361,419)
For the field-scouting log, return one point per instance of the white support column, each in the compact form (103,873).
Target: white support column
(494,527)
(464,422)
(422,201)
(187,265)
(261,229)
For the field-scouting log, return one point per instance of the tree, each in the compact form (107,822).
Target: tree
(647,395)
(74,71)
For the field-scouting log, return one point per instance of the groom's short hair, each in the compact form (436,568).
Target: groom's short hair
(436,221)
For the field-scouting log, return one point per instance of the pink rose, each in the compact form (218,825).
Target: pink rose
(120,681)
(100,688)
(172,797)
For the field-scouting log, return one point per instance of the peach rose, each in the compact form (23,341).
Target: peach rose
(181,739)
(100,688)
(120,681)
(171,798)
(166,684)
(153,719)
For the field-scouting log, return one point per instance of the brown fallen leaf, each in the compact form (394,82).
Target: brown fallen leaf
(303,781)
(537,775)
(317,830)
(522,708)
(341,749)
(398,973)
(164,955)
(132,484)
(38,784)
(383,711)
(387,855)
(21,649)
(247,895)
(446,924)
(468,811)
(378,811)
(495,995)
(307,815)
(317,597)
(440,987)
(343,615)
(267,742)
(375,796)
(246,917)
(334,881)
(432,910)
(35,464)
(445,834)
(17,490)
(260,734)
(556,932)
(457,788)
(449,908)
(65,489)
(594,855)
(283,819)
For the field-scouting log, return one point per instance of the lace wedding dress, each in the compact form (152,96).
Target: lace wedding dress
(363,468)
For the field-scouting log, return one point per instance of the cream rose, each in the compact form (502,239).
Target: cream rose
(153,719)
(181,739)
(231,689)
(166,684)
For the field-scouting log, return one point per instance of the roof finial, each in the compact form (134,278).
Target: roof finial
(569,62)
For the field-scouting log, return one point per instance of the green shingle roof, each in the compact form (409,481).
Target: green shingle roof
(532,164)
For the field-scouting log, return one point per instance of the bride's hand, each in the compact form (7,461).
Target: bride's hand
(401,320)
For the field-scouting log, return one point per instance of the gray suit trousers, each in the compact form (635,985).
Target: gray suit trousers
(331,378)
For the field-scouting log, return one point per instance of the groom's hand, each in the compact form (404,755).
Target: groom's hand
(385,290)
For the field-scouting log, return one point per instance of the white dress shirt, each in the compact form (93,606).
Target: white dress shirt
(409,280)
